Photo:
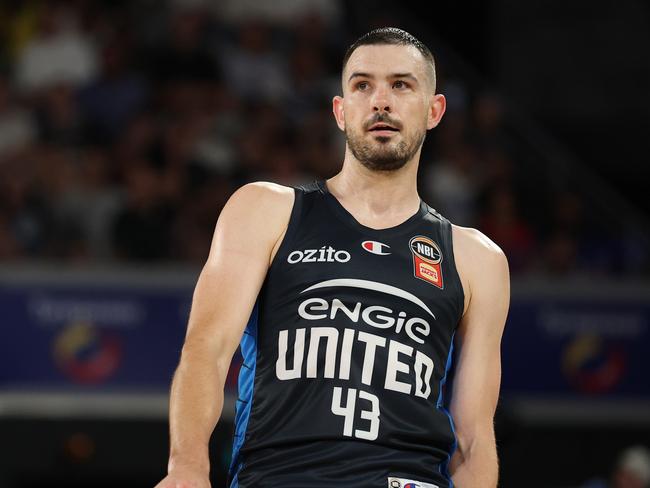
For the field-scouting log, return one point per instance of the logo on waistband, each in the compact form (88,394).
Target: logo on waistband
(404,483)
(427,259)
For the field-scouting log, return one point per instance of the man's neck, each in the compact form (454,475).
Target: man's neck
(375,194)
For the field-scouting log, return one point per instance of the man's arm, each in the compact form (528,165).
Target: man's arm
(484,271)
(250,225)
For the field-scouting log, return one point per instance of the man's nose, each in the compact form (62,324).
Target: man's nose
(381,100)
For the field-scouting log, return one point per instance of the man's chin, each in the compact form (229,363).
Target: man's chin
(383,140)
(383,164)
(375,137)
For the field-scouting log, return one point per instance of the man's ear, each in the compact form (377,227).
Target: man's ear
(339,113)
(437,108)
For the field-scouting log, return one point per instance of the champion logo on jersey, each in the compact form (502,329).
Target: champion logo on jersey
(376,247)
(404,483)
(427,257)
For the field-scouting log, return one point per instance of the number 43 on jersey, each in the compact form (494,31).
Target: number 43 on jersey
(348,410)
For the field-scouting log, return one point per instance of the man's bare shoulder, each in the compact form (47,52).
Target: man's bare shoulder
(472,244)
(260,209)
(263,201)
(478,259)
(256,214)
(269,192)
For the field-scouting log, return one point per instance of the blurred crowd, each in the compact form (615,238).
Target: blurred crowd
(125,126)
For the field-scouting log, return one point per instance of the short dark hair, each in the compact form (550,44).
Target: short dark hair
(393,36)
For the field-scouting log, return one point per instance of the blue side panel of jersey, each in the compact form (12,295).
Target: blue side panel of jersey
(245,385)
(444,467)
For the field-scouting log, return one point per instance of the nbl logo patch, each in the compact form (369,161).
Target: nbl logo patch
(427,259)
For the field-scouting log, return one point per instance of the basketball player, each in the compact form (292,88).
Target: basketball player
(347,296)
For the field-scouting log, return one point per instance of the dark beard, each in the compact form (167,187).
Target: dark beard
(378,158)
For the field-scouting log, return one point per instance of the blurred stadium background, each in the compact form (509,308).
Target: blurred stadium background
(126,125)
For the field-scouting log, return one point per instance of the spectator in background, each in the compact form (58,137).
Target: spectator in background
(58,117)
(318,144)
(137,139)
(193,225)
(109,102)
(17,127)
(279,12)
(92,201)
(453,184)
(310,86)
(19,21)
(59,53)
(314,30)
(487,130)
(268,127)
(24,217)
(8,245)
(56,174)
(141,229)
(183,54)
(214,148)
(560,253)
(501,222)
(252,68)
(632,470)
(201,73)
(577,244)
(283,166)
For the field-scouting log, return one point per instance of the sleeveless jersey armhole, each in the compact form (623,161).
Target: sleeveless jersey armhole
(461,292)
(294,218)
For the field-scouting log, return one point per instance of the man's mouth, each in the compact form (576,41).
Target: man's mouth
(384,130)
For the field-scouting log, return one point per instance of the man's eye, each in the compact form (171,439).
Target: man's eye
(402,83)
(362,85)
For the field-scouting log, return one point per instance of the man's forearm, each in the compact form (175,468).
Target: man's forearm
(196,402)
(477,466)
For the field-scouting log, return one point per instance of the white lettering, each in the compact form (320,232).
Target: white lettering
(372,342)
(394,366)
(332,336)
(346,354)
(309,256)
(376,316)
(294,257)
(281,370)
(424,329)
(342,256)
(346,411)
(374,346)
(339,305)
(423,361)
(322,305)
(387,323)
(324,254)
(372,415)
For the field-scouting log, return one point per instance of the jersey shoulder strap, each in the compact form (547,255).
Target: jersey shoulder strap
(309,187)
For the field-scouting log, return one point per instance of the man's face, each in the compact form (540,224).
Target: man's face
(386,84)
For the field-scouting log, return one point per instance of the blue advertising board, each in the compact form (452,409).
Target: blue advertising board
(577,346)
(93,337)
(86,334)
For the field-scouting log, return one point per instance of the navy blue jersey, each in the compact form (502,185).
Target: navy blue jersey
(346,354)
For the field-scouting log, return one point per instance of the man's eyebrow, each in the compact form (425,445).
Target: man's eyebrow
(358,74)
